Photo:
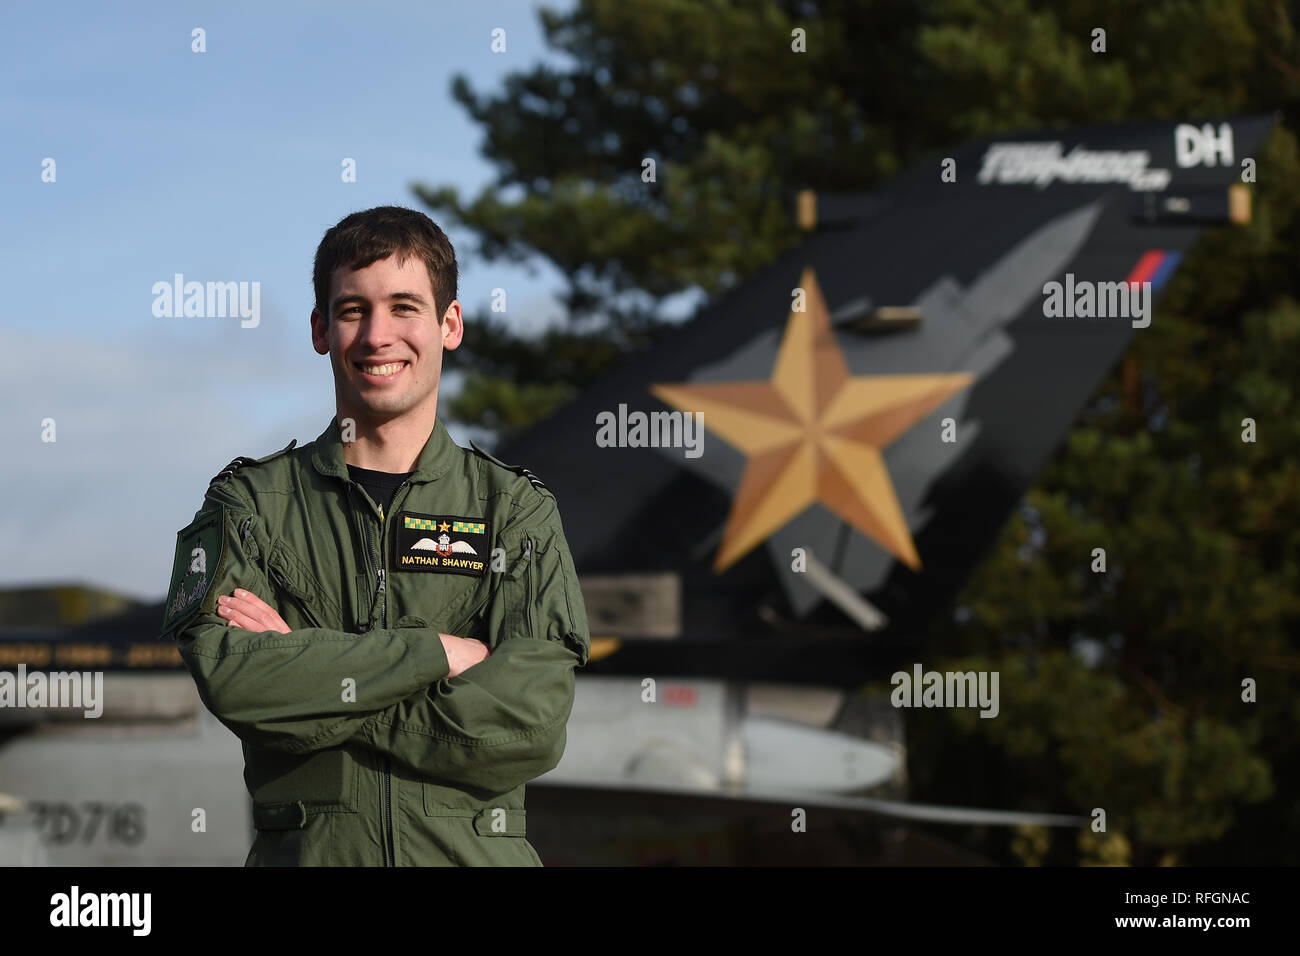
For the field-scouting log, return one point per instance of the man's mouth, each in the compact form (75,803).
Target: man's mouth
(385,371)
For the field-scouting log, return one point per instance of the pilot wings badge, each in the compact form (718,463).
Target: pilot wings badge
(442,543)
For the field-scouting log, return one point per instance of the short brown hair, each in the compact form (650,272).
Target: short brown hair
(363,238)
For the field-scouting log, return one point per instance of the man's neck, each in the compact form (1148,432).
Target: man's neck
(393,446)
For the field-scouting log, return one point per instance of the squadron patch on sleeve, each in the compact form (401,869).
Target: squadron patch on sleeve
(444,543)
(198,558)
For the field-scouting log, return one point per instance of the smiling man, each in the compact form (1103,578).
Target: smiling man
(388,621)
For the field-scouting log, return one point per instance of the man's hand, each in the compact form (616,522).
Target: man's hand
(245,609)
(462,653)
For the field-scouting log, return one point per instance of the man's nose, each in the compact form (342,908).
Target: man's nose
(380,327)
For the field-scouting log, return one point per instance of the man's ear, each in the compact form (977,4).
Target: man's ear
(319,333)
(453,326)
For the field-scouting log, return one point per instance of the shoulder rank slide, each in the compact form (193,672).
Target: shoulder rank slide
(231,468)
(517,469)
(537,482)
(241,462)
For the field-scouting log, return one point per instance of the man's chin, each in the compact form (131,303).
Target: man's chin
(380,410)
(382,413)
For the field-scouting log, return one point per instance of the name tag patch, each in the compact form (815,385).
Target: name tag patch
(447,543)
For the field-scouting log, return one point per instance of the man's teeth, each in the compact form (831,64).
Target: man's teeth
(390,369)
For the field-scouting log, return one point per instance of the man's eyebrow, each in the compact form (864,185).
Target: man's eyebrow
(394,297)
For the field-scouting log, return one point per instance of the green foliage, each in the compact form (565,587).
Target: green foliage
(1202,581)
(736,124)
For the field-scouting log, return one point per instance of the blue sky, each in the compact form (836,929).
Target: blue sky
(222,166)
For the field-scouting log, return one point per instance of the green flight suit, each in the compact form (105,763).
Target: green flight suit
(357,748)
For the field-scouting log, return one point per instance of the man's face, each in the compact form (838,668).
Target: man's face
(384,339)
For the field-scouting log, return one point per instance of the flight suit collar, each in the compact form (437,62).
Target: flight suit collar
(435,458)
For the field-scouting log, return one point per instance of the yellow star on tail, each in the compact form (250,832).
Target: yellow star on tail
(813,433)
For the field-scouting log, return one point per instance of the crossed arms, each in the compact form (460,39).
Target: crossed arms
(245,609)
(440,704)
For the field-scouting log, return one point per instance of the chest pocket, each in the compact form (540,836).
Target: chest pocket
(511,611)
(483,612)
(299,597)
(457,603)
(296,582)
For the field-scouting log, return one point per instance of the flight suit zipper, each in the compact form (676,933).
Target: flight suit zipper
(381,595)
(380,562)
